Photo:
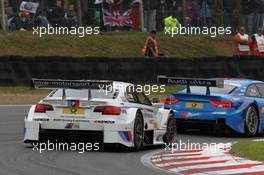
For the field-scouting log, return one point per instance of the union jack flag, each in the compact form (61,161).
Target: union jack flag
(116,19)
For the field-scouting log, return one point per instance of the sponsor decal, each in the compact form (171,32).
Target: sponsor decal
(41,119)
(159,137)
(219,113)
(71,84)
(70,120)
(104,122)
(184,114)
(73,103)
(189,114)
(125,135)
(72,126)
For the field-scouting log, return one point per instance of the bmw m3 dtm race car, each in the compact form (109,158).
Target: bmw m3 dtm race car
(235,103)
(106,110)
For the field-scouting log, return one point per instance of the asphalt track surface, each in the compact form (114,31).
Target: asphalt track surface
(17,158)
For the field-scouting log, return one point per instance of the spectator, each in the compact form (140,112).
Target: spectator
(206,12)
(192,12)
(260,13)
(15,6)
(41,19)
(179,13)
(248,10)
(8,9)
(71,16)
(22,21)
(57,15)
(150,12)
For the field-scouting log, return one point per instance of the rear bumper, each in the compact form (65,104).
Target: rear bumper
(60,131)
(234,121)
(70,135)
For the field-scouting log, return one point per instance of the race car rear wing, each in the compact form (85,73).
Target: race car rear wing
(176,81)
(72,84)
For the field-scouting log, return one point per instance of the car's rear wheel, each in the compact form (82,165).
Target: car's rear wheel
(251,121)
(138,132)
(171,132)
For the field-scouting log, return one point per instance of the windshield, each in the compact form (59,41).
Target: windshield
(214,90)
(83,93)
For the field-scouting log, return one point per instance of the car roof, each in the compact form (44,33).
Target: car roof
(240,82)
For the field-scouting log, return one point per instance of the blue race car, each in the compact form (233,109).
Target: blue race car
(235,103)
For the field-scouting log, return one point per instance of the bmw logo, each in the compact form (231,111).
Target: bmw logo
(73,104)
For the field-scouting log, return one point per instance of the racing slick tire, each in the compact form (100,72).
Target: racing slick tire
(138,132)
(251,121)
(171,131)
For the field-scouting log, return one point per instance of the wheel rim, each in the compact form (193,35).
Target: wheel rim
(252,121)
(138,132)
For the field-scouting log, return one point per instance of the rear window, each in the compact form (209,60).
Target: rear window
(214,90)
(76,93)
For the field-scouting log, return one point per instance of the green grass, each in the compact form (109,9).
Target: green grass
(249,149)
(111,44)
(22,90)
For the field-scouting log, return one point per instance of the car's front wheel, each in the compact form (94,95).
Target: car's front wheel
(171,132)
(251,121)
(138,132)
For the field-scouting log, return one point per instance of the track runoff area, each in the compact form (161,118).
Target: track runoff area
(213,160)
(207,158)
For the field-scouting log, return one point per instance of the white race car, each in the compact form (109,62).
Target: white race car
(109,111)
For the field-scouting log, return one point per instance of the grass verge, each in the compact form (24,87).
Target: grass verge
(249,149)
(112,44)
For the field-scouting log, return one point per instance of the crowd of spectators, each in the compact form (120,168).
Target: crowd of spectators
(227,13)
(23,19)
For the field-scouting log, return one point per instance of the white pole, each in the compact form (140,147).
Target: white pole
(3,15)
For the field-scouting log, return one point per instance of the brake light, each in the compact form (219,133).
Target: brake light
(43,108)
(108,110)
(221,104)
(170,101)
